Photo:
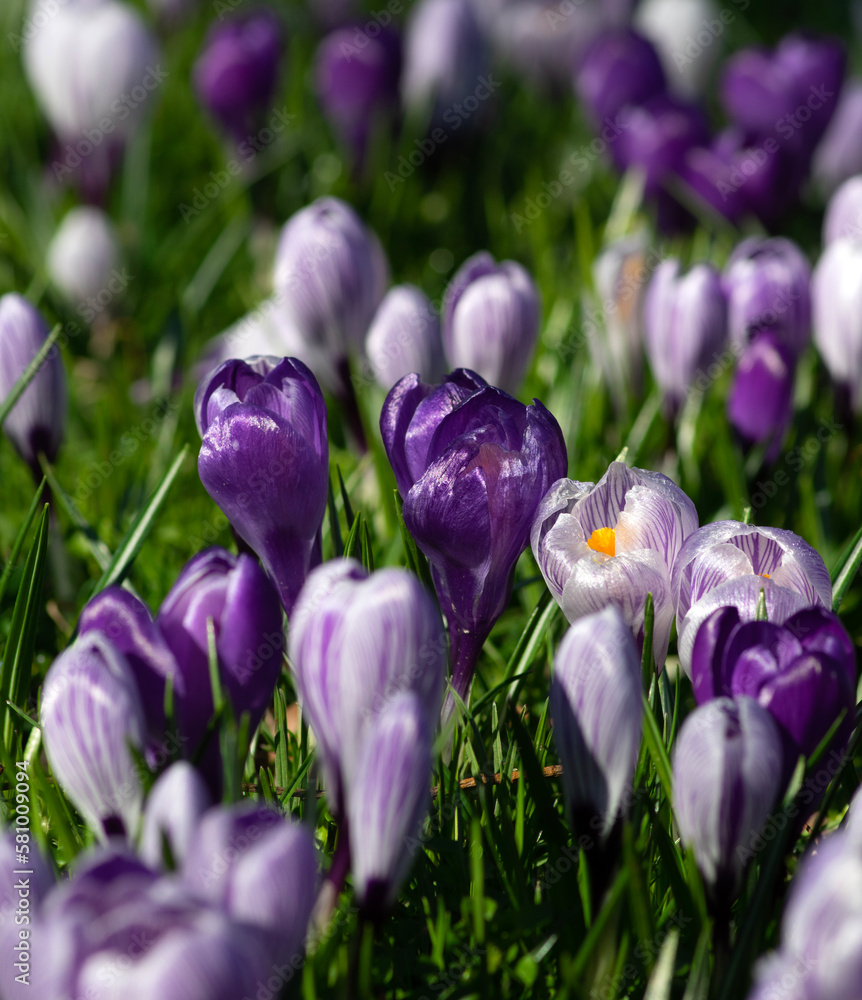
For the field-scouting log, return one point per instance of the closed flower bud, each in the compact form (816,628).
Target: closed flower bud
(405,337)
(843,220)
(673,26)
(83,258)
(839,154)
(620,68)
(356,643)
(237,71)
(727,773)
(597,712)
(387,801)
(264,459)
(472,465)
(729,563)
(767,286)
(174,807)
(491,320)
(612,543)
(760,403)
(685,323)
(837,293)
(90,715)
(37,421)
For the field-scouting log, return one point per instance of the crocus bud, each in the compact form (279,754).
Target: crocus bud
(760,403)
(472,467)
(491,320)
(358,86)
(174,807)
(264,459)
(93,67)
(330,276)
(843,218)
(839,155)
(598,717)
(685,323)
(83,258)
(90,714)
(729,563)
(444,59)
(387,800)
(236,73)
(837,294)
(37,421)
(767,286)
(727,774)
(620,68)
(612,543)
(356,642)
(672,25)
(405,337)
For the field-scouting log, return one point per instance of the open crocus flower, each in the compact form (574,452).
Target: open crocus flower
(729,563)
(614,542)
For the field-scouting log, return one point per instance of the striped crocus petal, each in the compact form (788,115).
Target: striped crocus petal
(356,642)
(727,771)
(91,712)
(387,801)
(596,708)
(175,805)
(836,290)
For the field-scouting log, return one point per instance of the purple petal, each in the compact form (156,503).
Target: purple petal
(175,805)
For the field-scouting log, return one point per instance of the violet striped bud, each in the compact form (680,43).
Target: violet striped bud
(596,708)
(174,807)
(236,72)
(837,294)
(685,323)
(839,155)
(387,800)
(619,69)
(83,258)
(264,459)
(727,775)
(760,402)
(90,716)
(491,320)
(612,543)
(37,421)
(843,219)
(405,337)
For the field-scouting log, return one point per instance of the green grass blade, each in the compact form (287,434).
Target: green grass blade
(20,538)
(28,374)
(845,570)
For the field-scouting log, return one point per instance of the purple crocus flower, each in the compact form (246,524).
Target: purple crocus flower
(174,808)
(760,403)
(472,465)
(405,337)
(837,293)
(727,773)
(90,714)
(685,323)
(491,320)
(37,421)
(767,286)
(387,801)
(236,72)
(729,563)
(620,68)
(612,543)
(598,717)
(838,157)
(843,217)
(357,641)
(264,459)
(357,86)
(803,672)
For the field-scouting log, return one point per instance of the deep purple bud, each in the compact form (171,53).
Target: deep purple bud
(90,714)
(491,320)
(387,801)
(236,73)
(488,461)
(708,176)
(838,157)
(405,337)
(174,808)
(685,323)
(836,290)
(264,459)
(37,421)
(357,641)
(843,218)
(760,404)
(358,86)
(598,717)
(620,68)
(767,286)
(444,58)
(330,276)
(614,542)
(236,595)
(727,773)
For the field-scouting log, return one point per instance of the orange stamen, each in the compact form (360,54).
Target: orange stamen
(603,540)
